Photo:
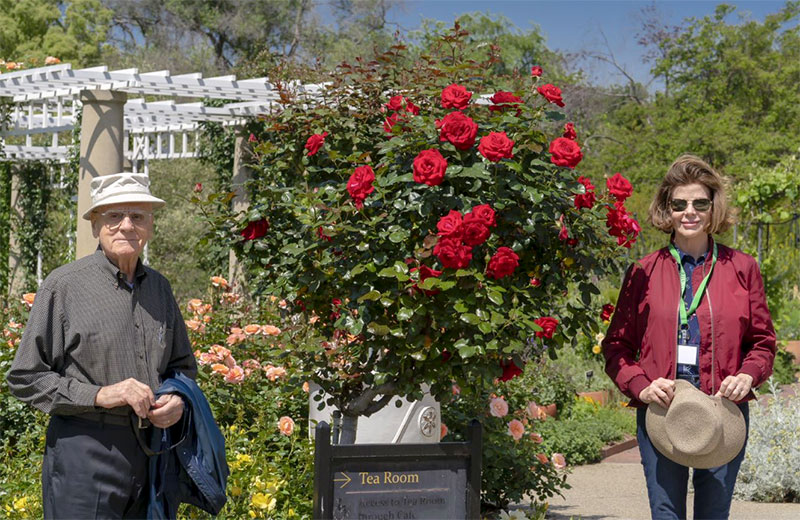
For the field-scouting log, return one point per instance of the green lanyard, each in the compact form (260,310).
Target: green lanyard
(699,294)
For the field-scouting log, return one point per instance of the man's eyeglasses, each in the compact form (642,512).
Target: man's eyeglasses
(113,218)
(697,204)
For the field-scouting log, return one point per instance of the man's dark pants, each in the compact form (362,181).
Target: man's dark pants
(93,469)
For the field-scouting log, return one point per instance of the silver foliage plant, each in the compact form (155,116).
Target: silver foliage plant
(770,471)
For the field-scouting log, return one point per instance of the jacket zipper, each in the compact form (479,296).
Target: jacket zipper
(711,312)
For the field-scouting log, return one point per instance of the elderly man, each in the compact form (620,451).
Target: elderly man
(102,334)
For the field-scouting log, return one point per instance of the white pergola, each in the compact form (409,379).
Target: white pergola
(118,133)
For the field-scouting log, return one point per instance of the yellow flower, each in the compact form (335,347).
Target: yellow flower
(236,491)
(243,458)
(259,484)
(291,512)
(568,261)
(597,349)
(21,504)
(252,513)
(263,501)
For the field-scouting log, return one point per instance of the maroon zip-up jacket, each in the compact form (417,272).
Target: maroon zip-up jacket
(736,333)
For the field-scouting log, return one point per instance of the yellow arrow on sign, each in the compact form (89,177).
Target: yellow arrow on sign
(346,479)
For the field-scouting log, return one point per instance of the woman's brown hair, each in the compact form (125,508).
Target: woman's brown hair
(688,169)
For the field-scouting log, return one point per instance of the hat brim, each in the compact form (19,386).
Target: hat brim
(734,432)
(123,198)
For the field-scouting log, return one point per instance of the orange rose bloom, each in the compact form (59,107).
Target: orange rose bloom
(286,425)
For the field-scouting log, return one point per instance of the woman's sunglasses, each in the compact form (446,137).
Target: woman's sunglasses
(697,204)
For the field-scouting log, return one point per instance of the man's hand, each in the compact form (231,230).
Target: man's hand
(735,387)
(167,411)
(660,391)
(131,392)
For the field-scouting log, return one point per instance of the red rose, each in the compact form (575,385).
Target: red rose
(510,370)
(563,235)
(485,213)
(390,121)
(252,138)
(395,103)
(585,200)
(621,225)
(504,100)
(551,93)
(360,184)
(536,282)
(572,242)
(458,129)
(429,167)
(608,310)
(619,187)
(450,225)
(255,229)
(565,152)
(198,187)
(426,272)
(411,107)
(452,253)
(455,96)
(496,146)
(569,131)
(502,264)
(536,71)
(322,236)
(315,142)
(474,231)
(548,326)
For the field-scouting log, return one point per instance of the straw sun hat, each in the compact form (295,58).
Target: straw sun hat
(121,187)
(697,430)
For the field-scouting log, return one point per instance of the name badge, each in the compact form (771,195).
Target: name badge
(687,354)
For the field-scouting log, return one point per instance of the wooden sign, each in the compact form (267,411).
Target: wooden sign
(397,481)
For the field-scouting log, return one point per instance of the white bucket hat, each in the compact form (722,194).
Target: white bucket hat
(697,430)
(121,187)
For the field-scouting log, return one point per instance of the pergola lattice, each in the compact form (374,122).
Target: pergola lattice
(47,101)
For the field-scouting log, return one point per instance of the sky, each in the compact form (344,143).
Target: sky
(573,25)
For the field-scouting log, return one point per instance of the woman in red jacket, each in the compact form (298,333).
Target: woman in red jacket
(722,341)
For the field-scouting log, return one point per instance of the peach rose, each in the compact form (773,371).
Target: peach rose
(10,65)
(220,351)
(218,281)
(28,298)
(235,375)
(286,425)
(229,362)
(194,304)
(535,437)
(559,462)
(207,358)
(542,458)
(498,407)
(252,329)
(218,368)
(443,431)
(282,304)
(270,330)
(532,410)
(274,373)
(516,429)
(195,325)
(306,387)
(51,60)
(456,389)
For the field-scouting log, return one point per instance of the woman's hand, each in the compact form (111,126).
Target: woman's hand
(660,391)
(735,387)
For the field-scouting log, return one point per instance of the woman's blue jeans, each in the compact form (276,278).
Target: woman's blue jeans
(667,481)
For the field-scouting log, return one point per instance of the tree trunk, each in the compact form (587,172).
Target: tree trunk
(348,433)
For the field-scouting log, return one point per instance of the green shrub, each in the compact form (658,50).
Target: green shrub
(769,471)
(581,435)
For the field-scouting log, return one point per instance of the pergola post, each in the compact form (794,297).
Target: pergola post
(241,202)
(16,276)
(101,153)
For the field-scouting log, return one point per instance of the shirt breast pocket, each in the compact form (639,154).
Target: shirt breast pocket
(164,348)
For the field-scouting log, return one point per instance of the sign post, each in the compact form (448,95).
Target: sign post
(397,481)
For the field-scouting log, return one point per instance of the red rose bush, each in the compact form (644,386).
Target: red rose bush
(463,245)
